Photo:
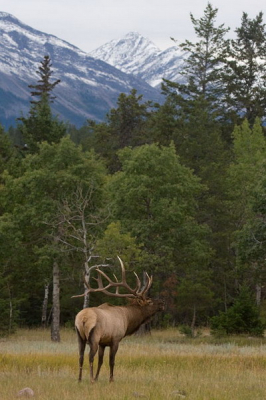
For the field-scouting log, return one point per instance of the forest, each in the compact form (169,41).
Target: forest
(177,190)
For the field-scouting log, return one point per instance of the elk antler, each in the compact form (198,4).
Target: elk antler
(138,292)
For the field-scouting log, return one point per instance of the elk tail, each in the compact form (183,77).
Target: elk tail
(85,323)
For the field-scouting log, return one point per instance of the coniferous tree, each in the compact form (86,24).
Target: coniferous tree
(41,125)
(44,85)
(197,129)
(126,126)
(203,64)
(244,76)
(6,149)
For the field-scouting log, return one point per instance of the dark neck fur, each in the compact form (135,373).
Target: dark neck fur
(137,315)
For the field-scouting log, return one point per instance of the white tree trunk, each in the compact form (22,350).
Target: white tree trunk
(45,305)
(55,326)
(86,299)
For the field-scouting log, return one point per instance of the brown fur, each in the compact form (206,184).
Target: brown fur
(106,325)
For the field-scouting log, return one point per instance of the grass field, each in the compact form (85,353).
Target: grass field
(164,365)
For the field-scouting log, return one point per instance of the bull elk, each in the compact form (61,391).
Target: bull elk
(106,325)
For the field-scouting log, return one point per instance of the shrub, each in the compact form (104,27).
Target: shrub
(242,317)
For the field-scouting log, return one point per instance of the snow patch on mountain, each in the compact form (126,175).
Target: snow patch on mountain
(137,55)
(89,87)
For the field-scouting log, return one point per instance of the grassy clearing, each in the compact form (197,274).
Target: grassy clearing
(164,365)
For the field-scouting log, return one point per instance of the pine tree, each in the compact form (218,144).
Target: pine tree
(44,85)
(41,125)
(203,64)
(244,75)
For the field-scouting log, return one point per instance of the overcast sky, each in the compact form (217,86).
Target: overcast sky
(88,24)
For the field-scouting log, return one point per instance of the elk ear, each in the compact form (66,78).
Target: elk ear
(140,301)
(144,302)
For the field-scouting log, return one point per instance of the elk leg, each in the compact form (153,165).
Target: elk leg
(82,345)
(113,350)
(100,360)
(93,351)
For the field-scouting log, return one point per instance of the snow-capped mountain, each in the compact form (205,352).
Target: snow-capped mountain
(137,55)
(89,87)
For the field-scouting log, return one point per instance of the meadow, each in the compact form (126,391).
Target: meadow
(163,365)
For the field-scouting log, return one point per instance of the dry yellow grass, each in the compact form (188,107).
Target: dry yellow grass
(161,366)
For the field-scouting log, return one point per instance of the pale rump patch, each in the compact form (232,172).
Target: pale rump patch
(85,321)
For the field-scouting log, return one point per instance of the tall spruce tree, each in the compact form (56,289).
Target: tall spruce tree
(44,85)
(245,73)
(203,64)
(198,133)
(41,125)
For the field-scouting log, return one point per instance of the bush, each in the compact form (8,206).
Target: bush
(189,332)
(242,317)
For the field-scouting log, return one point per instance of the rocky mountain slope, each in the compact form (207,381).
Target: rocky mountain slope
(89,87)
(137,55)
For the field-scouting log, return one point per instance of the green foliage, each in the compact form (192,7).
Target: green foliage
(200,131)
(194,293)
(249,144)
(8,316)
(188,331)
(154,198)
(251,242)
(162,123)
(245,70)
(6,149)
(203,66)
(11,255)
(246,177)
(44,85)
(41,125)
(125,126)
(128,120)
(35,229)
(241,317)
(114,243)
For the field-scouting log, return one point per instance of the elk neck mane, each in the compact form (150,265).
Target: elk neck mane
(139,311)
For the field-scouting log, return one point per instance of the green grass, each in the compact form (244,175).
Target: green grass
(164,365)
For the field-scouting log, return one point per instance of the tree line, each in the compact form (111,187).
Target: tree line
(175,189)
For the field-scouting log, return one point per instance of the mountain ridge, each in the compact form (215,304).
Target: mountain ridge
(89,87)
(134,54)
